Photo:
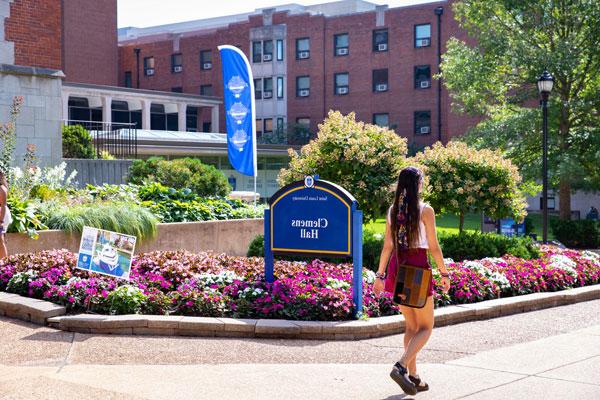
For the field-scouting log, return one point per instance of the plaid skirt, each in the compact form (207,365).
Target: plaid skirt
(415,257)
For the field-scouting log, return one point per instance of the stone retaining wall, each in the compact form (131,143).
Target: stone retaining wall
(231,237)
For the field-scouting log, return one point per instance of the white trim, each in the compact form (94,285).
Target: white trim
(252,100)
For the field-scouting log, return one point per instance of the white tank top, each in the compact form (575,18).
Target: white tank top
(422,242)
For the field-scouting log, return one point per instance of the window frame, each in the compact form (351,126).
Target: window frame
(265,125)
(280,87)
(421,38)
(257,92)
(257,56)
(128,79)
(336,87)
(173,65)
(146,67)
(336,47)
(279,50)
(387,80)
(298,51)
(417,128)
(387,40)
(205,87)
(203,61)
(375,115)
(264,88)
(417,82)
(298,89)
(264,51)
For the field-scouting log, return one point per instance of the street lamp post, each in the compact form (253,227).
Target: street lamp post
(545,83)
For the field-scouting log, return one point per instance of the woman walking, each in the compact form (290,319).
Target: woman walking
(5,217)
(409,234)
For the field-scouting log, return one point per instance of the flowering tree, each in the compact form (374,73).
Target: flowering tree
(463,179)
(365,159)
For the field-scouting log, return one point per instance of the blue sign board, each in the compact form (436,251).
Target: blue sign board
(315,217)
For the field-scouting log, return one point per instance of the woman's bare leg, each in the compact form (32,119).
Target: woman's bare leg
(410,330)
(424,317)
(3,251)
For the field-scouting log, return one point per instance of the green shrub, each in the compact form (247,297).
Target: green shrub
(475,245)
(256,247)
(582,234)
(26,217)
(127,218)
(126,299)
(191,173)
(77,142)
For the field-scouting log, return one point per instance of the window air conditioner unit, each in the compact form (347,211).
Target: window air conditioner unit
(424,130)
(267,94)
(304,93)
(207,65)
(425,84)
(267,57)
(382,47)
(177,68)
(382,87)
(150,71)
(303,54)
(342,90)
(423,42)
(342,51)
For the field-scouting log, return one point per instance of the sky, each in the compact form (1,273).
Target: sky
(142,13)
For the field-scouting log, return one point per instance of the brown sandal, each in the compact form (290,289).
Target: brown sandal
(419,384)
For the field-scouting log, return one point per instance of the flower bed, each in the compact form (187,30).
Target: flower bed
(205,284)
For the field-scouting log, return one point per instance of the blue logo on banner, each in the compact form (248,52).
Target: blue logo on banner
(240,110)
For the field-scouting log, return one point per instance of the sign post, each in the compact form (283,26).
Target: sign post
(315,217)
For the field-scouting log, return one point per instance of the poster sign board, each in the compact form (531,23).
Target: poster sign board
(508,227)
(315,217)
(105,252)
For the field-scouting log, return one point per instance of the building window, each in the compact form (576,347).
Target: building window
(381,119)
(280,87)
(176,63)
(302,48)
(279,50)
(423,35)
(258,89)
(268,88)
(256,52)
(258,125)
(280,124)
(422,77)
(380,40)
(177,89)
(422,122)
(205,59)
(380,80)
(268,51)
(340,82)
(128,79)
(303,86)
(149,66)
(551,203)
(268,125)
(340,44)
(206,90)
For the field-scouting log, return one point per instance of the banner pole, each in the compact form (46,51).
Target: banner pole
(254,195)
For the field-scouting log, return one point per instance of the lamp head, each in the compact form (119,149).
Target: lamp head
(545,83)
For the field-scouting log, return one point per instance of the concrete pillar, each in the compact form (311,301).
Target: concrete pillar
(107,110)
(181,117)
(146,114)
(65,106)
(214,120)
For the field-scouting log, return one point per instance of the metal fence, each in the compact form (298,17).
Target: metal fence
(115,138)
(98,172)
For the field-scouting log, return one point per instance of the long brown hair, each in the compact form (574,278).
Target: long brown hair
(406,207)
(3,180)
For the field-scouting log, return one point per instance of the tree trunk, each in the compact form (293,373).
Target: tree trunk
(462,222)
(565,199)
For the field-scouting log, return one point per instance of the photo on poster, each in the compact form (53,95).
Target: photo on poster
(105,252)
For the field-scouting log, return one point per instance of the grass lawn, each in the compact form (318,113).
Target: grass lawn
(448,223)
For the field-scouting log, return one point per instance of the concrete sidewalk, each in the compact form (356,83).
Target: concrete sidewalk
(561,363)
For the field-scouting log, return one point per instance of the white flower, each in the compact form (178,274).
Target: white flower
(368,276)
(563,262)
(333,283)
(591,256)
(494,276)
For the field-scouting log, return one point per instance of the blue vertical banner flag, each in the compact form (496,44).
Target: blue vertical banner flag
(240,110)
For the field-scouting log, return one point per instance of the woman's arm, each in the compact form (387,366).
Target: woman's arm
(428,217)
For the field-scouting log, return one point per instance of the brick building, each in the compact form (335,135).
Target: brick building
(348,55)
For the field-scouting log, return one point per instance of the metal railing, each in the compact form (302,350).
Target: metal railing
(115,138)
